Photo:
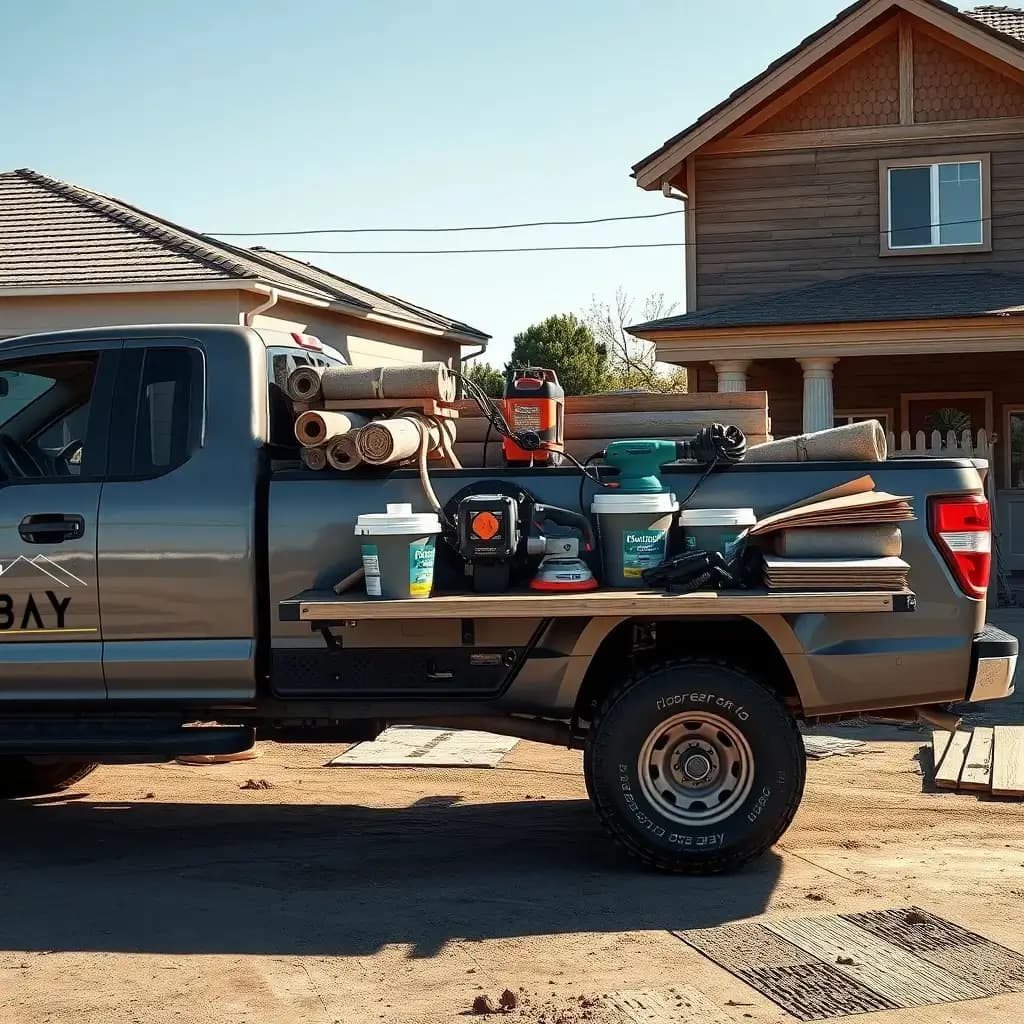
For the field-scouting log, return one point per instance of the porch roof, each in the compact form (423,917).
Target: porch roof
(863,298)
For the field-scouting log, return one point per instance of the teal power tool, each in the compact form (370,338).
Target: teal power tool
(639,461)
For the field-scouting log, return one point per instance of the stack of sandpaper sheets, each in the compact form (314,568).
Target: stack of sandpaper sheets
(853,504)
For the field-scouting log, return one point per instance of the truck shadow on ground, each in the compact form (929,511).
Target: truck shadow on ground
(334,880)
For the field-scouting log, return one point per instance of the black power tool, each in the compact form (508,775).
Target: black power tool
(501,537)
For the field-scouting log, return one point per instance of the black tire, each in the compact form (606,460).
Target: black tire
(28,776)
(739,730)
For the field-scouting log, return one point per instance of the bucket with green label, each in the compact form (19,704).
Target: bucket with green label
(634,531)
(398,552)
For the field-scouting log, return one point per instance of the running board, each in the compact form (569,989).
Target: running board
(163,739)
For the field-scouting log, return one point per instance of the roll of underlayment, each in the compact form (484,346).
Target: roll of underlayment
(315,427)
(314,458)
(405,380)
(303,384)
(854,442)
(389,440)
(881,541)
(398,438)
(342,452)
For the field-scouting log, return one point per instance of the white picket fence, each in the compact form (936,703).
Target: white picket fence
(970,445)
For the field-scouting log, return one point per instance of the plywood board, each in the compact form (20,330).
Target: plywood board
(977,770)
(947,773)
(849,510)
(940,740)
(410,746)
(1008,760)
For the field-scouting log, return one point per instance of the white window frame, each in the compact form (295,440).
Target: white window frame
(884,416)
(933,163)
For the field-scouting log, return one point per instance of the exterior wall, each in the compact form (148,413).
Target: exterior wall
(362,342)
(866,91)
(766,222)
(40,313)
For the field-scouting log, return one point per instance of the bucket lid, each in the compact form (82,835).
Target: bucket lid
(617,503)
(399,519)
(717,517)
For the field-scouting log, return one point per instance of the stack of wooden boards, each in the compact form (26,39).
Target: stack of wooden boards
(850,531)
(592,422)
(985,760)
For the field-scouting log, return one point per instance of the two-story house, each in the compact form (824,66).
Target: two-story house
(855,233)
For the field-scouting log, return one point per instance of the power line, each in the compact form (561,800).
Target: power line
(449,252)
(478,227)
(704,245)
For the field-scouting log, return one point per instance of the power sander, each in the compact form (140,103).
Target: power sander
(499,534)
(639,461)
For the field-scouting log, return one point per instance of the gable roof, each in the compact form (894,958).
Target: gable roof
(815,48)
(1009,20)
(864,297)
(56,235)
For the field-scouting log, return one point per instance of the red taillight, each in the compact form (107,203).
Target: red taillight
(962,528)
(308,341)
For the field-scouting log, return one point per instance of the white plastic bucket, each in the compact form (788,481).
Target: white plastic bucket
(398,552)
(634,531)
(714,529)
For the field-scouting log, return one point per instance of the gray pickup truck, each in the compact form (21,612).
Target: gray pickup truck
(157,527)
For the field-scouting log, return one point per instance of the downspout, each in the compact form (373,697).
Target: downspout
(272,297)
(465,359)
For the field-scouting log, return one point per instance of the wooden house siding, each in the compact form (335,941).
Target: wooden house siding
(765,222)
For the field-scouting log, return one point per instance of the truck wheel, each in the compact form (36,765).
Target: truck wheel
(694,766)
(34,776)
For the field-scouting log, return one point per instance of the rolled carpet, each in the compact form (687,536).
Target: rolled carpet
(314,458)
(405,380)
(390,440)
(314,427)
(342,452)
(303,384)
(854,442)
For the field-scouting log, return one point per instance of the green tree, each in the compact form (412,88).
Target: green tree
(489,378)
(566,345)
(632,362)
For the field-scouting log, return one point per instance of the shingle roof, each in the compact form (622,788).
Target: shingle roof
(352,292)
(971,17)
(55,234)
(866,297)
(1008,20)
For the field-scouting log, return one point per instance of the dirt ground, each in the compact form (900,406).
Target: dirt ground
(172,894)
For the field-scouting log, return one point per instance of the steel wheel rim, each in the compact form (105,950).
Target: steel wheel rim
(696,768)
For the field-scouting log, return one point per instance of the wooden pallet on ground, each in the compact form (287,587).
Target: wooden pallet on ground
(985,760)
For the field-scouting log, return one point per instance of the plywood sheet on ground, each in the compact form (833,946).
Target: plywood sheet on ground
(1008,760)
(977,770)
(947,773)
(409,746)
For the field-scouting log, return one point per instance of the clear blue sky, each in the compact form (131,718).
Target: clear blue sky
(268,116)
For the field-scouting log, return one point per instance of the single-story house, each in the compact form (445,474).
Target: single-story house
(71,258)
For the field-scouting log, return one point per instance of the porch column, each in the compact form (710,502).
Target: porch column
(818,406)
(732,374)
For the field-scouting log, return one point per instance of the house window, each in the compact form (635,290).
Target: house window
(929,205)
(843,417)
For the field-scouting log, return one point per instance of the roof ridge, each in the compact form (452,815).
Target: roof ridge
(438,318)
(140,221)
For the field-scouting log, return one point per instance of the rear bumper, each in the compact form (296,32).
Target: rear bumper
(993,662)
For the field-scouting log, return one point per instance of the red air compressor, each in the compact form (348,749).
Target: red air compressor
(534,401)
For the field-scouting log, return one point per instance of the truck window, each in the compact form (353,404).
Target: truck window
(44,413)
(160,425)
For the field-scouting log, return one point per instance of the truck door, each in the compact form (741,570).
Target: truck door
(177,523)
(54,412)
